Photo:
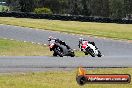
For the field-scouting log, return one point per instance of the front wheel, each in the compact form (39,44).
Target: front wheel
(58,52)
(72,54)
(86,53)
(91,52)
(54,54)
(81,80)
(92,55)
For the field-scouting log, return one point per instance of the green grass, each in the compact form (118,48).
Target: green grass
(109,30)
(17,48)
(61,79)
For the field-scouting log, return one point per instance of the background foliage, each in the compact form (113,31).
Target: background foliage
(100,8)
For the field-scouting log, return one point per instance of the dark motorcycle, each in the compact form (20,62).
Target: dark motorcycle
(60,50)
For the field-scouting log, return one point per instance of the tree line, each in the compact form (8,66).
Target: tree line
(99,8)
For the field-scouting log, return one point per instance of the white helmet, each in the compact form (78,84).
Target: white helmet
(50,37)
(80,39)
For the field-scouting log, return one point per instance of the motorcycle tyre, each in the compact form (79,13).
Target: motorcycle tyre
(58,52)
(99,54)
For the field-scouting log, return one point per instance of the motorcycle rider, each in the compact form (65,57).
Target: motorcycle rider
(59,41)
(82,42)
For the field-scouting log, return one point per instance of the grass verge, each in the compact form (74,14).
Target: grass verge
(17,48)
(61,79)
(109,30)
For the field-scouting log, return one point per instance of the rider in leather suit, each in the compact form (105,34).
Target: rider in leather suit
(59,41)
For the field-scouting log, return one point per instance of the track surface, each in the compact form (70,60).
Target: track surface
(20,64)
(116,53)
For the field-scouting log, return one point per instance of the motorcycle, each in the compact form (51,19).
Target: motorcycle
(90,48)
(60,50)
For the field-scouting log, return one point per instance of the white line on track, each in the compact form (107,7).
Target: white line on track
(4,38)
(45,44)
(11,39)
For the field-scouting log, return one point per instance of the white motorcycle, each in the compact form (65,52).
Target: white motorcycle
(89,48)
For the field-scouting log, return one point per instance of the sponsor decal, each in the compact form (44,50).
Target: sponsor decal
(83,78)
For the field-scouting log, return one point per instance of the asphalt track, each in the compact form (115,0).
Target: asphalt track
(116,53)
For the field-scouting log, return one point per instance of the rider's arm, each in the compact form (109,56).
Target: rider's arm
(91,43)
(60,41)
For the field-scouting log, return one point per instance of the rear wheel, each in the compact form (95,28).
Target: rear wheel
(99,54)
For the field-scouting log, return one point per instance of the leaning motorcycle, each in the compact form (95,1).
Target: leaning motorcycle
(90,48)
(59,50)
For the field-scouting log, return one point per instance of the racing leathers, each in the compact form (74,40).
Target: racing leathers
(62,43)
(83,44)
